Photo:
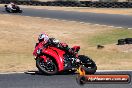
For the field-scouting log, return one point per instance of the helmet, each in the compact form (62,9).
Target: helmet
(43,37)
(12,3)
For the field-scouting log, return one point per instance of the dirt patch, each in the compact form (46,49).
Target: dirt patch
(127,48)
(19,35)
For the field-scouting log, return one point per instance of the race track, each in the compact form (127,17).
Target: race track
(95,18)
(21,80)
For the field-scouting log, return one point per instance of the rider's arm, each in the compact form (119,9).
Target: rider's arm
(50,42)
(53,42)
(9,6)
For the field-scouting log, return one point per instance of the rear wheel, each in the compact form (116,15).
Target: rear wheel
(88,64)
(49,67)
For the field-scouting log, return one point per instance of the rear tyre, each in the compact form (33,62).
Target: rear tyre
(88,64)
(48,68)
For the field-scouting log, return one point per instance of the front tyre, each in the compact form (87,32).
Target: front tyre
(20,11)
(48,68)
(88,64)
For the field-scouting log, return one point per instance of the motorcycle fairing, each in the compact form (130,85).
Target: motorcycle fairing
(57,54)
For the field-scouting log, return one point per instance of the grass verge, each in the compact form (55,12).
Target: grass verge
(109,37)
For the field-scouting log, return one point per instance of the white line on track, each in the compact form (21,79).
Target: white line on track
(110,26)
(11,72)
(81,22)
(119,27)
(129,28)
(27,16)
(97,24)
(38,17)
(103,25)
(112,70)
(73,21)
(64,20)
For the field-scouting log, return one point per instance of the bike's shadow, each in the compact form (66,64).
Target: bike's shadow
(40,73)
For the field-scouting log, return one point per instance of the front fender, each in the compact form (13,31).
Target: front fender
(43,57)
(57,54)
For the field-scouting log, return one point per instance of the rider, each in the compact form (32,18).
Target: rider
(45,41)
(43,38)
(11,5)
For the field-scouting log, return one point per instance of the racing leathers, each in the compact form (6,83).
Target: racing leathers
(10,6)
(57,44)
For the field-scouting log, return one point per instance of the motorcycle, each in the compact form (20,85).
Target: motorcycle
(51,60)
(14,9)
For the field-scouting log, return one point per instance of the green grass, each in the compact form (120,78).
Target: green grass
(109,37)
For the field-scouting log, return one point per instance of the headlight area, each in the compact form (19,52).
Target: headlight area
(39,51)
(34,57)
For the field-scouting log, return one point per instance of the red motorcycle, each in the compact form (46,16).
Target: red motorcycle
(52,60)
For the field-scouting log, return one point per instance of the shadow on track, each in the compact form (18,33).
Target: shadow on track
(40,73)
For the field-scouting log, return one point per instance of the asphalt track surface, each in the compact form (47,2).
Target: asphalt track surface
(21,80)
(95,18)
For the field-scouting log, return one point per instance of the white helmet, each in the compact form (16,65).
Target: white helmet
(12,3)
(43,37)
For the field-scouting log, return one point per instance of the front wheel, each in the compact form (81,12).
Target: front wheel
(88,64)
(48,68)
(20,11)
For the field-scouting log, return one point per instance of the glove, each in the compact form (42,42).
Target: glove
(71,51)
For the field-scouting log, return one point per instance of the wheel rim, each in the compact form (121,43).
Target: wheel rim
(89,64)
(48,66)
